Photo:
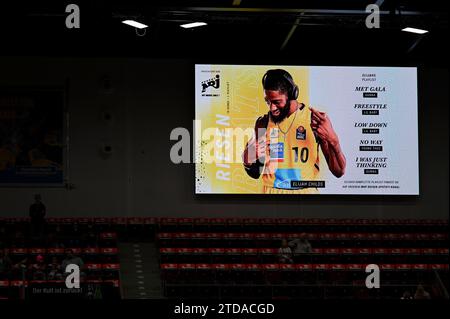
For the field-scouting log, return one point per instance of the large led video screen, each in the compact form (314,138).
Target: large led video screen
(306,130)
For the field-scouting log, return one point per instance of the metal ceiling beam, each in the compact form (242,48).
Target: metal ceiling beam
(275,10)
(291,32)
(414,45)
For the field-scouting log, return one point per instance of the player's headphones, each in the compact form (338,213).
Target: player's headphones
(293,89)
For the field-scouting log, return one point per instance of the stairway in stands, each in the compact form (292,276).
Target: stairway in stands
(140,274)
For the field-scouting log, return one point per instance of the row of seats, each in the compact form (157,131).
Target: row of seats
(318,255)
(309,236)
(300,274)
(33,268)
(312,292)
(228,221)
(295,224)
(144,228)
(206,280)
(57,251)
(88,255)
(299,267)
(90,270)
(322,240)
(181,278)
(63,240)
(321,251)
(237,257)
(27,283)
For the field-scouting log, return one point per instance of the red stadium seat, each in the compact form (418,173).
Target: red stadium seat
(233,251)
(169,266)
(109,250)
(200,251)
(357,267)
(349,251)
(93,266)
(234,222)
(111,266)
(18,283)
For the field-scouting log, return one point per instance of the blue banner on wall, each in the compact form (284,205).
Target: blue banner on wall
(31,137)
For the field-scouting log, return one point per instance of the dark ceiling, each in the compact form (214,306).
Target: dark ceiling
(247,31)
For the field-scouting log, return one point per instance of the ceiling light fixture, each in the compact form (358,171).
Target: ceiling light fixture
(414,30)
(192,25)
(135,24)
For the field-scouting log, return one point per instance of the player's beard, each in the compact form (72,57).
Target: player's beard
(283,113)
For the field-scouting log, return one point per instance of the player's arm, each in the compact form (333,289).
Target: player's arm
(329,142)
(255,150)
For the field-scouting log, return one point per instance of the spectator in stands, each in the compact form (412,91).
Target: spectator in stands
(37,215)
(54,270)
(38,268)
(71,259)
(285,253)
(300,245)
(421,293)
(5,264)
(407,295)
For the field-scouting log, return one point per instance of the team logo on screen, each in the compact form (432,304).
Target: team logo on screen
(300,133)
(213,82)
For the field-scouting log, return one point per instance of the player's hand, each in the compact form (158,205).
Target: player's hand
(256,149)
(321,126)
(261,148)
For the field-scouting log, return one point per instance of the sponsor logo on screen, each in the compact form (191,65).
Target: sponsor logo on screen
(301,133)
(210,85)
(276,152)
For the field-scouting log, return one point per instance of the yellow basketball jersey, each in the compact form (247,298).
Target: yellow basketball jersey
(292,154)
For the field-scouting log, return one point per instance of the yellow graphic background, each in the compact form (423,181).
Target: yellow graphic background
(241,98)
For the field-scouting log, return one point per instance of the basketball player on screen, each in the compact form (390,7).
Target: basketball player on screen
(285,148)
